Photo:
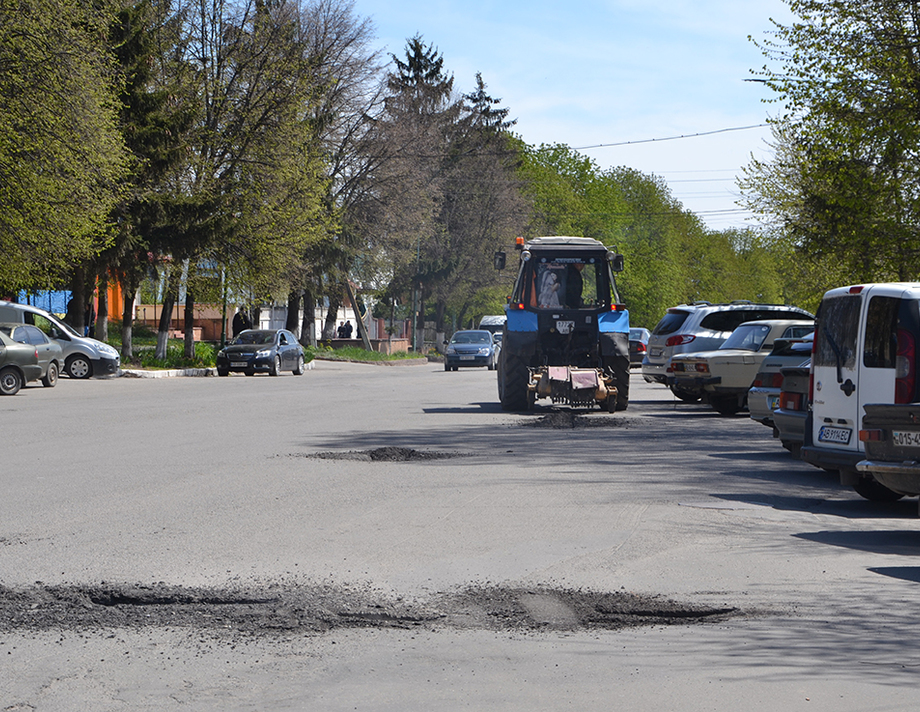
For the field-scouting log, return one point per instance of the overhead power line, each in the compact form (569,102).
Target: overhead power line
(670,138)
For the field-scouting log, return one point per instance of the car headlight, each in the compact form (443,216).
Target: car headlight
(264,353)
(222,353)
(484,351)
(106,350)
(451,350)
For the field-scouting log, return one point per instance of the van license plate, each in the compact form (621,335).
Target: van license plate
(655,353)
(565,327)
(904,439)
(840,436)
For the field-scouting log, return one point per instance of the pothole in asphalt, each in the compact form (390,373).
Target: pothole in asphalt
(386,454)
(317,609)
(563,419)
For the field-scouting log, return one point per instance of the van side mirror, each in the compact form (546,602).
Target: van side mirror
(499,260)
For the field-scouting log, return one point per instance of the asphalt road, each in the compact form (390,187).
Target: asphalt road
(265,486)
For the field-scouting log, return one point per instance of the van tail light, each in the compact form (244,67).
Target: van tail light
(872,435)
(679,340)
(640,348)
(905,369)
(790,401)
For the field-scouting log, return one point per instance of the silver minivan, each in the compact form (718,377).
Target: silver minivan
(83,357)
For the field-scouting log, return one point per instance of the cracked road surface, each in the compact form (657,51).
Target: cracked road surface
(388,539)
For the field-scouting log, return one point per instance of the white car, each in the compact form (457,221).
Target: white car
(725,375)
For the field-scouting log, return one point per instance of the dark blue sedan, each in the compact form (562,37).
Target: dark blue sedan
(472,347)
(261,350)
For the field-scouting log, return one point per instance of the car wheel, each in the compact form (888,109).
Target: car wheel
(875,491)
(276,367)
(10,381)
(51,378)
(446,366)
(222,371)
(299,369)
(79,366)
(685,395)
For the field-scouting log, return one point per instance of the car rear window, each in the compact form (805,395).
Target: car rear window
(839,327)
(881,349)
(749,337)
(671,322)
(725,320)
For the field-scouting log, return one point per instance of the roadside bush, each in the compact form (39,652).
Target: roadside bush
(205,357)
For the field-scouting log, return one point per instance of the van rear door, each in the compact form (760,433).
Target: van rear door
(835,366)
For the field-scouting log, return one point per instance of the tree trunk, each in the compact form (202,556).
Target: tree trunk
(292,322)
(102,316)
(127,326)
(189,323)
(169,301)
(76,308)
(335,301)
(362,332)
(420,322)
(308,330)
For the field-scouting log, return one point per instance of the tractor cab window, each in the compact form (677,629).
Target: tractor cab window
(569,283)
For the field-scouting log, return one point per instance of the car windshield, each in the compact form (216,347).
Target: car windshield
(472,337)
(255,337)
(747,337)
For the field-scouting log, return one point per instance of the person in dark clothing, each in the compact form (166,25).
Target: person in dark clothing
(574,286)
(241,322)
(347,329)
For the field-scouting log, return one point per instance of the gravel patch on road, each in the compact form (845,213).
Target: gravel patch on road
(318,609)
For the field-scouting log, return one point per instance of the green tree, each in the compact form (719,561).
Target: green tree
(61,154)
(842,183)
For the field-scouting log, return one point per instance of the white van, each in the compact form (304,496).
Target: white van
(83,357)
(865,351)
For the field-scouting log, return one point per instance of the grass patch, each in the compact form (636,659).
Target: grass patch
(355,353)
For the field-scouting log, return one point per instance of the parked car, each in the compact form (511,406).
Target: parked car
(790,415)
(866,350)
(890,434)
(49,353)
(725,375)
(763,397)
(638,345)
(471,347)
(258,350)
(18,364)
(83,357)
(702,326)
(493,322)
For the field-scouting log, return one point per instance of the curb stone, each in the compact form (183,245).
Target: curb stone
(182,372)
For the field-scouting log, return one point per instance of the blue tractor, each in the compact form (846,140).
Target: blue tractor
(566,337)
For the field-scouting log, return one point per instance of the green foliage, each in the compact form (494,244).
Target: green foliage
(842,183)
(205,356)
(61,154)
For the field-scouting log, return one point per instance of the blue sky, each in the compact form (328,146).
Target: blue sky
(610,71)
